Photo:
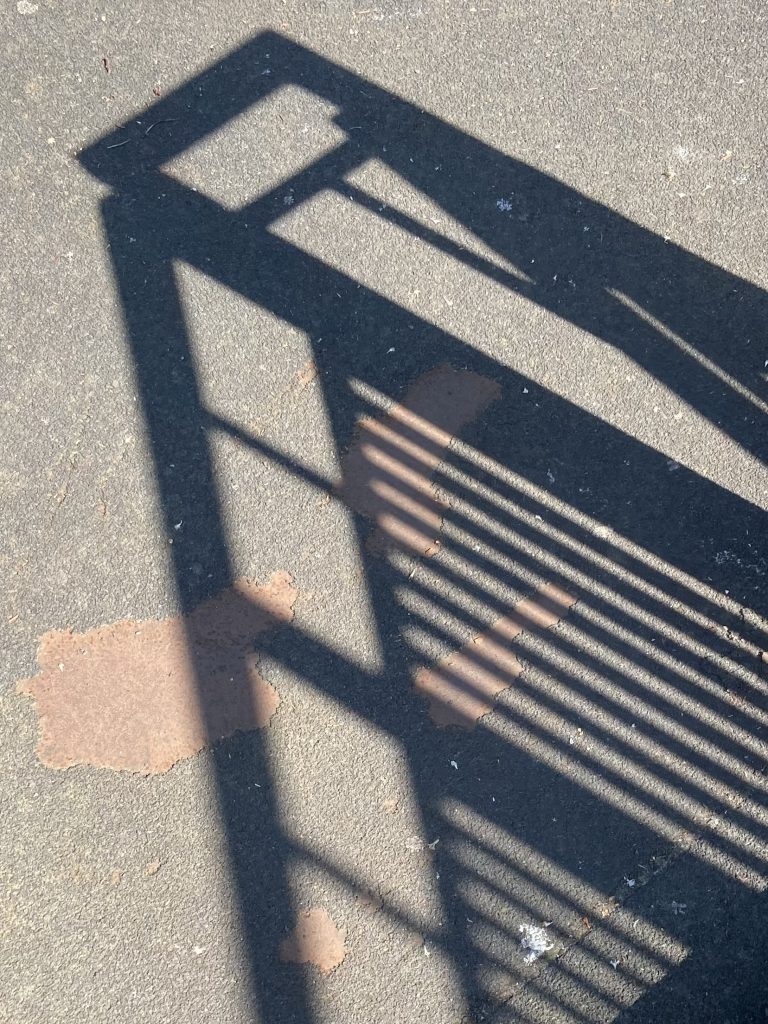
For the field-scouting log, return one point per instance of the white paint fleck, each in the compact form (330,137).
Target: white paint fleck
(534,942)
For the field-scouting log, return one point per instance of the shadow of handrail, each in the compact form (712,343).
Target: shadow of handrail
(626,285)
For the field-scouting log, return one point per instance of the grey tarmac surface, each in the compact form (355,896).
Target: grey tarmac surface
(234,230)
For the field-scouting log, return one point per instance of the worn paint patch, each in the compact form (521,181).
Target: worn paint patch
(463,687)
(388,470)
(305,375)
(140,696)
(315,940)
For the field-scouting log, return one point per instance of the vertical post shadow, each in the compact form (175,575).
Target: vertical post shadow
(187,487)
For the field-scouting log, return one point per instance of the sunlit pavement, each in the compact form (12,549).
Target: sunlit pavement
(385,520)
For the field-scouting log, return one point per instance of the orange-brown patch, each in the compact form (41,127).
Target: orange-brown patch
(462,688)
(315,940)
(306,374)
(388,470)
(140,696)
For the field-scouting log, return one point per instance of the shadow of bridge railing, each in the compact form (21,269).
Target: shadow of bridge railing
(639,722)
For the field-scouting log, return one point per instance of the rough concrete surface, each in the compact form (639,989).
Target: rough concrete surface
(239,240)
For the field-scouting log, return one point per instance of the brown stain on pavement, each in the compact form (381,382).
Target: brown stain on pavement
(305,375)
(315,940)
(463,687)
(140,696)
(389,467)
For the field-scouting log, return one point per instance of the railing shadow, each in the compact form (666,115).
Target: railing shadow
(641,718)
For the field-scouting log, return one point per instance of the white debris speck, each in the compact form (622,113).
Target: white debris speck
(433,844)
(534,942)
(525,391)
(177,526)
(550,476)
(505,205)
(630,881)
(678,908)
(614,964)
(288,199)
(454,765)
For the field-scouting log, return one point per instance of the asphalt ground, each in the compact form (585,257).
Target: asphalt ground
(232,233)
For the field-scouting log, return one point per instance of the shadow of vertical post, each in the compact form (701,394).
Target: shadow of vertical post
(168,392)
